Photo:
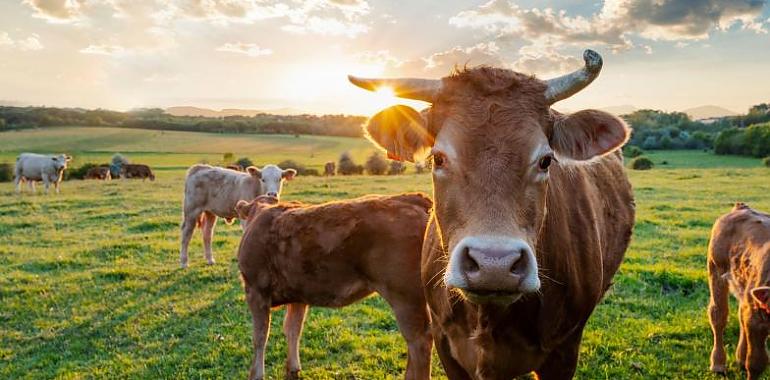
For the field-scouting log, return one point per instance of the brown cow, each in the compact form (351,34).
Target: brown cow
(739,258)
(332,255)
(99,172)
(235,167)
(137,171)
(330,168)
(521,192)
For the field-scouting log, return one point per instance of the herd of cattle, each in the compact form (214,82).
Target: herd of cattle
(532,213)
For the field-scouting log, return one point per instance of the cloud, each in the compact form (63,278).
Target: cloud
(57,11)
(545,60)
(104,49)
(438,64)
(31,43)
(252,50)
(617,22)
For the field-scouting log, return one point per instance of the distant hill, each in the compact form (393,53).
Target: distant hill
(206,112)
(620,110)
(708,112)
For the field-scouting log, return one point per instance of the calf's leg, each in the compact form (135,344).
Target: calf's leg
(189,220)
(260,315)
(209,221)
(413,320)
(742,348)
(756,355)
(292,329)
(718,310)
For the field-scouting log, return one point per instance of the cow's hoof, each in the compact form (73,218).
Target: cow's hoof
(183,265)
(293,375)
(211,262)
(719,369)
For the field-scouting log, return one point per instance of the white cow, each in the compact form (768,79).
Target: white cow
(211,192)
(33,167)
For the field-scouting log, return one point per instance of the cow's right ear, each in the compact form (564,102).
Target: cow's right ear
(401,131)
(254,171)
(242,209)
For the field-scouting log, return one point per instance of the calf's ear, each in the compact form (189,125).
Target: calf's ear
(242,209)
(401,131)
(254,171)
(761,294)
(587,134)
(289,174)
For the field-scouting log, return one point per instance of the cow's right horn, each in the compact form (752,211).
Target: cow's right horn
(567,85)
(408,88)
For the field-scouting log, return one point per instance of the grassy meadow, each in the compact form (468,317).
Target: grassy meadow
(90,285)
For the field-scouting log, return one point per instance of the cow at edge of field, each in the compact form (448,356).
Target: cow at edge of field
(739,262)
(211,192)
(332,255)
(533,214)
(32,167)
(137,171)
(99,172)
(330,168)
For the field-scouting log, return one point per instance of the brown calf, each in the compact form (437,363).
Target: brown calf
(739,257)
(332,255)
(99,172)
(137,171)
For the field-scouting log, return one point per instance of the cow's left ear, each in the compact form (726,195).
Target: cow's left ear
(587,134)
(69,158)
(289,174)
(761,294)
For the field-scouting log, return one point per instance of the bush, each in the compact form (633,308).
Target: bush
(396,168)
(244,162)
(301,169)
(632,151)
(346,166)
(376,164)
(730,141)
(80,172)
(766,162)
(419,167)
(117,162)
(228,157)
(6,172)
(641,163)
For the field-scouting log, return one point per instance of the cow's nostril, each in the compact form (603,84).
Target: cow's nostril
(519,265)
(469,263)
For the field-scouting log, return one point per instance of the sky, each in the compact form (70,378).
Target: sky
(270,55)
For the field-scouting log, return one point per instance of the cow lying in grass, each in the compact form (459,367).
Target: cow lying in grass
(332,255)
(211,192)
(739,257)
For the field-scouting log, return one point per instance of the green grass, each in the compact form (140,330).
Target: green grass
(89,284)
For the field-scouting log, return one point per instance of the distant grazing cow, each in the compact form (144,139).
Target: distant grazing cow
(235,167)
(33,167)
(330,168)
(332,255)
(211,192)
(739,259)
(99,172)
(137,171)
(533,214)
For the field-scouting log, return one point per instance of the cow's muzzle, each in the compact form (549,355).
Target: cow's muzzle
(492,269)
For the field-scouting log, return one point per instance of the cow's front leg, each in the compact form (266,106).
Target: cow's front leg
(718,310)
(260,315)
(562,362)
(292,329)
(17,183)
(756,356)
(209,221)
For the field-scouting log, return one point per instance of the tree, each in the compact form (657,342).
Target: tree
(346,166)
(245,162)
(376,164)
(396,168)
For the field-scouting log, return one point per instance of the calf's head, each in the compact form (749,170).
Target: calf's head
(60,162)
(247,211)
(271,178)
(493,139)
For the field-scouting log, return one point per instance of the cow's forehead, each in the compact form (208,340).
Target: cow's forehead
(271,172)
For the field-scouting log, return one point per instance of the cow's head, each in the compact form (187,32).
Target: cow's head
(60,161)
(247,211)
(271,178)
(493,138)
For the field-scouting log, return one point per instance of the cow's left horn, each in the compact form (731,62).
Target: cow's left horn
(408,88)
(567,85)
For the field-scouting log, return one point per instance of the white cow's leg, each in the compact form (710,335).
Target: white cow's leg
(56,186)
(46,183)
(17,183)
(209,221)
(292,329)
(260,314)
(31,185)
(188,227)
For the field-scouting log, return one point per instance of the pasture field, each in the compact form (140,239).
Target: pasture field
(90,285)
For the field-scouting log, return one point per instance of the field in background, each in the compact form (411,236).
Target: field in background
(90,285)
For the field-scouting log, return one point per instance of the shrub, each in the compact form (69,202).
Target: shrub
(641,163)
(632,151)
(228,157)
(396,168)
(730,141)
(117,162)
(79,172)
(346,166)
(6,172)
(245,162)
(419,167)
(301,169)
(765,161)
(376,164)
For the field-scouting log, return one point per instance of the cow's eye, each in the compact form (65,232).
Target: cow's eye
(545,162)
(439,160)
